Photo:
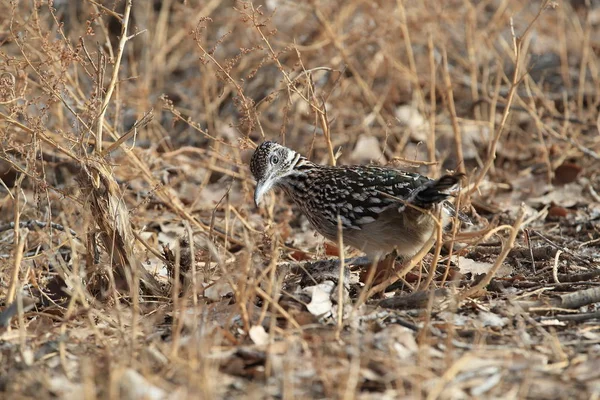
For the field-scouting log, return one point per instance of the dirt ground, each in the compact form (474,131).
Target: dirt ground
(135,265)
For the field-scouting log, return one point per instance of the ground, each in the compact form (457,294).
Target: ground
(134,264)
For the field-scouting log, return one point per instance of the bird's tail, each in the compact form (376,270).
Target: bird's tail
(436,191)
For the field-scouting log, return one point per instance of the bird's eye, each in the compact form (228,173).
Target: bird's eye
(274,160)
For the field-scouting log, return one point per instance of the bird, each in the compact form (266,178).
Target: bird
(381,209)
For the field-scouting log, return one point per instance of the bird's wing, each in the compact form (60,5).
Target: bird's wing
(359,194)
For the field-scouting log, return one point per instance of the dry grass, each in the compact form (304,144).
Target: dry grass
(133,263)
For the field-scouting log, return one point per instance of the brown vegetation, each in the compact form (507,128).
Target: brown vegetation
(133,263)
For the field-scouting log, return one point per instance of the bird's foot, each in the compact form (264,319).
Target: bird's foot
(379,272)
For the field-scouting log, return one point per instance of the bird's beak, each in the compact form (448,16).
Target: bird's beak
(262,187)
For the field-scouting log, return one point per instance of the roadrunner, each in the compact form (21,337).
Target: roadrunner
(381,209)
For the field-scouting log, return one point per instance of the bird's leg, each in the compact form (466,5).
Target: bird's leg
(379,270)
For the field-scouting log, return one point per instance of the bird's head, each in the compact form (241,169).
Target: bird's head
(270,164)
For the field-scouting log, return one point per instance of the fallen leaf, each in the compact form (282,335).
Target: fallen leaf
(566,173)
(552,322)
(258,335)
(398,338)
(566,196)
(557,211)
(331,249)
(320,303)
(467,265)
(299,255)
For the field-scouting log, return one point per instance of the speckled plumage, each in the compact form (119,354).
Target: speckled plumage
(377,206)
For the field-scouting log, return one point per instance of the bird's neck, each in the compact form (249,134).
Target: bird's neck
(299,172)
(301,165)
